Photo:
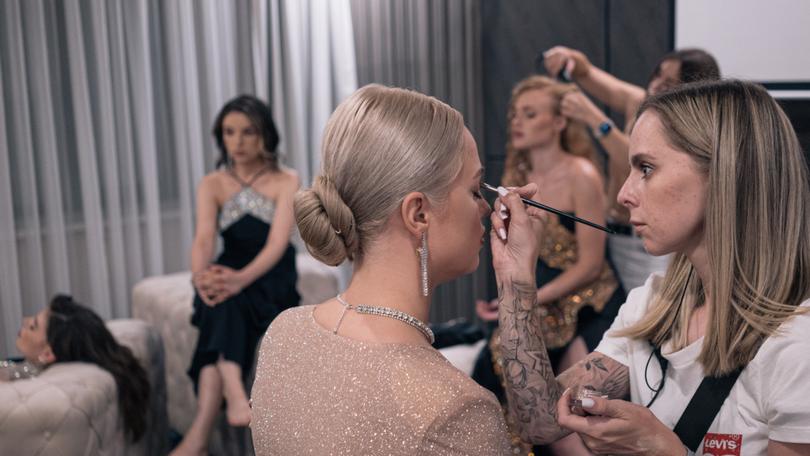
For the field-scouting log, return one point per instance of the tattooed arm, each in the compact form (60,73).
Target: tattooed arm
(531,388)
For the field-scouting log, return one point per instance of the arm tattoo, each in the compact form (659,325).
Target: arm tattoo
(531,388)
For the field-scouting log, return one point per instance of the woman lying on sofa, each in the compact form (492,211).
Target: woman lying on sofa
(66,331)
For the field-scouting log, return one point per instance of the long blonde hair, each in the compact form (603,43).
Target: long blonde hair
(757,229)
(574,139)
(380,144)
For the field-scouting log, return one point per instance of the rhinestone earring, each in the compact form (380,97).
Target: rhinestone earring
(423,263)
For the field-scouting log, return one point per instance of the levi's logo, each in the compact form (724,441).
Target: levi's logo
(722,444)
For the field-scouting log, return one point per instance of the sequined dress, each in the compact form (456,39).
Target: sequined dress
(320,393)
(233,328)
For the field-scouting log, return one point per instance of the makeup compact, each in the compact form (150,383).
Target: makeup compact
(579,393)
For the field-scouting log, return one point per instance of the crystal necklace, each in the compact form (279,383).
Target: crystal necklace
(385,312)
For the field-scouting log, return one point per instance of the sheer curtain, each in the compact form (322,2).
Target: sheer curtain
(105,113)
(433,47)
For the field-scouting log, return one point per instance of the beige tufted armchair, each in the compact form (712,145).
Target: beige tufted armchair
(72,408)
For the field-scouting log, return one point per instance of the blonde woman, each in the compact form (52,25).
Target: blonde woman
(578,294)
(632,263)
(718,179)
(399,196)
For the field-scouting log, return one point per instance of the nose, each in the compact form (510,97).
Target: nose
(627,196)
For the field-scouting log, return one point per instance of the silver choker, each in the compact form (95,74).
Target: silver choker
(385,312)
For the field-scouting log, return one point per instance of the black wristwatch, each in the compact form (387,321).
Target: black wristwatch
(603,129)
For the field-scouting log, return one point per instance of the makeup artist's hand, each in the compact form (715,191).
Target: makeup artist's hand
(619,427)
(574,62)
(514,239)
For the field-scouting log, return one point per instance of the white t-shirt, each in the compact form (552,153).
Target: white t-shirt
(770,400)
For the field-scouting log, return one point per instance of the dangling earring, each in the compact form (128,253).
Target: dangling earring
(423,263)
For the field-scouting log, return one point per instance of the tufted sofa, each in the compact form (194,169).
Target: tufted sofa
(72,408)
(165,301)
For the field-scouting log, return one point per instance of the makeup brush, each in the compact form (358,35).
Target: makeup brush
(532,203)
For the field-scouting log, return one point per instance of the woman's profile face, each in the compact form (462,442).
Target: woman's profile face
(533,120)
(665,192)
(242,139)
(32,340)
(458,234)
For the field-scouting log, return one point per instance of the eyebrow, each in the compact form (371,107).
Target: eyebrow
(479,173)
(636,159)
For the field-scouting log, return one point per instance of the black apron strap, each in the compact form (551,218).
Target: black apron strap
(703,407)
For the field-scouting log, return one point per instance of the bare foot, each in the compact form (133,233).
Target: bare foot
(238,412)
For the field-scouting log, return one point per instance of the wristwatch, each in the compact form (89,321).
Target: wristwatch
(604,129)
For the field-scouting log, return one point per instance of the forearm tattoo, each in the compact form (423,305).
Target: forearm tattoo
(532,390)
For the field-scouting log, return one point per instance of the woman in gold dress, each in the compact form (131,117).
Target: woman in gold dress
(578,295)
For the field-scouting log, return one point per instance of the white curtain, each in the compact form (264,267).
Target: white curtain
(105,115)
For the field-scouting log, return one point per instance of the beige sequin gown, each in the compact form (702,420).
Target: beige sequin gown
(320,393)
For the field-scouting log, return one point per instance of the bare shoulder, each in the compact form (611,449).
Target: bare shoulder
(585,175)
(582,168)
(288,178)
(212,183)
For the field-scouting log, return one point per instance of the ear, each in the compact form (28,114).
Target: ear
(415,212)
(559,123)
(46,356)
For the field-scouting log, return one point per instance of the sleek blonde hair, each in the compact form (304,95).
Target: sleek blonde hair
(756,223)
(380,144)
(574,139)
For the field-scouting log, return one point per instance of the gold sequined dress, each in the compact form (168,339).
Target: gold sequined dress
(320,393)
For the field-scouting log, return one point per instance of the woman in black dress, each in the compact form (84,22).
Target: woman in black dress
(248,200)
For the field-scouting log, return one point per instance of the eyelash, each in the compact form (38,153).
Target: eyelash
(645,169)
(477,194)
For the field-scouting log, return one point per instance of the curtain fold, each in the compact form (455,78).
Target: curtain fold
(106,109)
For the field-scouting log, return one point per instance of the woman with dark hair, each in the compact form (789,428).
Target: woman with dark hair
(248,199)
(66,331)
(632,263)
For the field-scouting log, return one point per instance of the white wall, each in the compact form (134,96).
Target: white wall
(760,40)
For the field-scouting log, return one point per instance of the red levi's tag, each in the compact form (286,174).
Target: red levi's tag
(722,444)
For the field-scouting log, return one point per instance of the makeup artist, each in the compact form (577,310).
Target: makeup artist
(716,347)
(399,195)
(578,295)
(632,263)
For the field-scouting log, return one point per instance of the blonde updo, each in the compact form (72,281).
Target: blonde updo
(380,144)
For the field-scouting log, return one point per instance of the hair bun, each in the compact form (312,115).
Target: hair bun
(326,223)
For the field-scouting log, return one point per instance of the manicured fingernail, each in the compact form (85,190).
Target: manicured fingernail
(588,403)
(502,233)
(502,191)
(503,213)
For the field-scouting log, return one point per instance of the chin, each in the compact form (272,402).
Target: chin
(655,249)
